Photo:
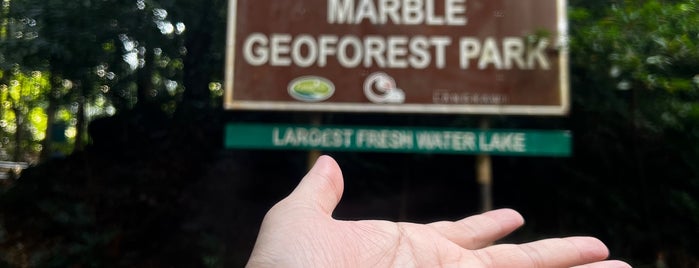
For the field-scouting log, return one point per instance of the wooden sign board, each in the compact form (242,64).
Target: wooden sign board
(403,56)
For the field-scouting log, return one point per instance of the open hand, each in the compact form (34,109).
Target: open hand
(299,231)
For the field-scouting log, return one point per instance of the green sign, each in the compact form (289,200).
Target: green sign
(398,139)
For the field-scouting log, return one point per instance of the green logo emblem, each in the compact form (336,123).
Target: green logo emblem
(311,89)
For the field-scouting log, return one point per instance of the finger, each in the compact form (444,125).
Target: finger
(322,186)
(559,252)
(478,231)
(606,264)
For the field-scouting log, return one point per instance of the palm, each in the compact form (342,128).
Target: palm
(387,244)
(300,232)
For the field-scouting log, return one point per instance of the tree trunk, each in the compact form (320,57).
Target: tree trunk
(3,81)
(80,124)
(17,155)
(197,73)
(145,79)
(198,62)
(46,144)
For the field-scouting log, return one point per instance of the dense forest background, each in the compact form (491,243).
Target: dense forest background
(116,106)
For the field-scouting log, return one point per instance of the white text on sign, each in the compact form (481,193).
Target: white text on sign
(395,52)
(407,12)
(396,139)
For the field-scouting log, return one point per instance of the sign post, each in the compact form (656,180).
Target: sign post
(484,174)
(316,120)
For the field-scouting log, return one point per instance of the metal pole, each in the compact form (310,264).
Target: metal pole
(484,174)
(485,180)
(314,154)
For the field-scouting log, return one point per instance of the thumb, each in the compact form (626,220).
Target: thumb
(322,187)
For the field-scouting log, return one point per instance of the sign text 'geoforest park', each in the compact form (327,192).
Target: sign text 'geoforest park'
(395,51)
(398,139)
(435,56)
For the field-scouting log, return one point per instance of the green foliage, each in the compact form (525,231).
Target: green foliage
(23,119)
(121,201)
(103,56)
(634,69)
(643,44)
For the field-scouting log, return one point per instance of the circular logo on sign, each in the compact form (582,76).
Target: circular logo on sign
(311,89)
(381,88)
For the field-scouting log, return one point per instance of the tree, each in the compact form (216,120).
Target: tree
(109,55)
(635,99)
(132,180)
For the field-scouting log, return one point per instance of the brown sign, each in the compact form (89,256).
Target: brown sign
(411,56)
